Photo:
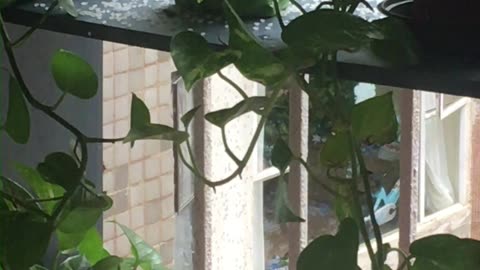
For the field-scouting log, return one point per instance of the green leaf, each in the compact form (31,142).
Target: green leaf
(18,117)
(281,155)
(73,75)
(43,189)
(337,252)
(270,70)
(399,46)
(328,30)
(195,60)
(108,263)
(36,267)
(144,253)
(344,204)
(24,239)
(222,117)
(13,188)
(83,211)
(374,120)
(69,7)
(68,241)
(283,213)
(141,128)
(76,262)
(92,247)
(445,252)
(188,117)
(335,152)
(60,169)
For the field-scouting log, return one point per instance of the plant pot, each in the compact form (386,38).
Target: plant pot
(244,8)
(444,32)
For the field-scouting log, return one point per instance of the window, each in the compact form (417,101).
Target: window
(444,139)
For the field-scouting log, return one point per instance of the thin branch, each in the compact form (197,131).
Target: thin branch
(361,222)
(32,29)
(364,175)
(46,200)
(59,101)
(297,5)
(46,110)
(228,150)
(103,140)
(23,204)
(233,84)
(317,179)
(278,14)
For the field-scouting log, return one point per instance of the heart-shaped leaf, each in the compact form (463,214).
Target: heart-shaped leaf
(188,117)
(144,254)
(92,248)
(283,213)
(374,120)
(222,117)
(83,211)
(42,188)
(142,129)
(73,75)
(108,263)
(195,60)
(335,152)
(17,125)
(60,169)
(281,155)
(337,252)
(445,252)
(270,70)
(399,46)
(24,239)
(11,187)
(329,30)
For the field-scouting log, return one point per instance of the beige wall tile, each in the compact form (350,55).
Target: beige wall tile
(164,95)
(166,250)
(151,75)
(136,57)
(167,229)
(121,177)
(166,184)
(107,47)
(108,91)
(167,207)
(119,46)
(135,173)
(108,182)
(166,115)
(121,60)
(124,219)
(109,246)
(137,195)
(151,56)
(108,112)
(138,151)
(108,63)
(152,167)
(121,84)
(151,99)
(152,211)
(166,162)
(121,204)
(122,107)
(121,128)
(152,189)
(122,153)
(136,80)
(108,132)
(137,217)
(109,158)
(152,233)
(109,230)
(152,147)
(122,247)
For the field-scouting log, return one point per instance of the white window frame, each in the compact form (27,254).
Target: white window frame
(442,112)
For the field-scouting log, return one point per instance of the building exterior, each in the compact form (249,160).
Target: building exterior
(430,177)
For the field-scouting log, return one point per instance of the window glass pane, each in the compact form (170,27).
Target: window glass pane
(442,150)
(383,163)
(275,235)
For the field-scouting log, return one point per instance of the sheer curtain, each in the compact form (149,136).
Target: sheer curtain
(439,192)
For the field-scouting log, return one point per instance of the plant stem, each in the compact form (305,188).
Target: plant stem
(233,84)
(368,191)
(228,150)
(312,174)
(59,101)
(32,29)
(46,200)
(46,110)
(23,204)
(360,220)
(297,5)
(278,14)
(103,140)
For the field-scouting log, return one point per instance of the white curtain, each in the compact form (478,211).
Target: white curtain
(439,192)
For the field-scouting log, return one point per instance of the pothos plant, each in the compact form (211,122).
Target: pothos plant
(313,42)
(53,203)
(57,201)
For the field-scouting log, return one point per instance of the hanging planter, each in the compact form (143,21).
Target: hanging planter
(443,28)
(245,8)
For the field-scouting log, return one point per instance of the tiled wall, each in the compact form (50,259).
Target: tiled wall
(139,179)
